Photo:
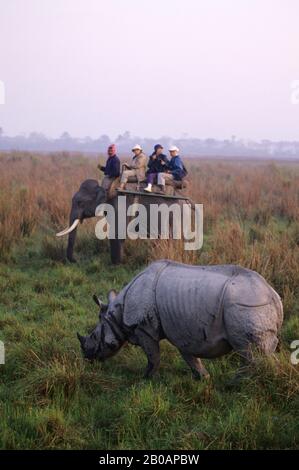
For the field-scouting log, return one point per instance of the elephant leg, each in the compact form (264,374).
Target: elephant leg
(197,367)
(116,251)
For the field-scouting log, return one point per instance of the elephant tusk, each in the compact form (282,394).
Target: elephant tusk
(69,229)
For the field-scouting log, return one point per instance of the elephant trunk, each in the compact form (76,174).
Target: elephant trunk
(70,246)
(72,232)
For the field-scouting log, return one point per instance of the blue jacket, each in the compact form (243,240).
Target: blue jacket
(155,165)
(112,167)
(176,168)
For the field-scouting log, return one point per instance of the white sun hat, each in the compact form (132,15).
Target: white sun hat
(173,148)
(137,147)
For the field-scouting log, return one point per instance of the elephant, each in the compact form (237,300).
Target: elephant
(84,204)
(204,311)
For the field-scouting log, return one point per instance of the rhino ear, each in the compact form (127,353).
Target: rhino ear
(99,302)
(111,295)
(96,300)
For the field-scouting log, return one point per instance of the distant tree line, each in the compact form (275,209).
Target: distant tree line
(189,146)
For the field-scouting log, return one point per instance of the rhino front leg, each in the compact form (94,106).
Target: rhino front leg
(152,351)
(197,367)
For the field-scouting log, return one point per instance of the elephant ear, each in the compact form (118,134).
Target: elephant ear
(101,196)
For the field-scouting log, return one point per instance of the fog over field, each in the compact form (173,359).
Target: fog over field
(210,70)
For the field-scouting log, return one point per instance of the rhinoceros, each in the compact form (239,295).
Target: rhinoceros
(205,311)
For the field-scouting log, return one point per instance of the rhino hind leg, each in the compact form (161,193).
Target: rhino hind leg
(196,366)
(251,330)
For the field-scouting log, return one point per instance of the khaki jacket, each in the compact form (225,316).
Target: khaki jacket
(139,164)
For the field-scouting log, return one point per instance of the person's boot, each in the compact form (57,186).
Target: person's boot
(148,188)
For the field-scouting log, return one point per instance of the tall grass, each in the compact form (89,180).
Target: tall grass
(51,398)
(35,191)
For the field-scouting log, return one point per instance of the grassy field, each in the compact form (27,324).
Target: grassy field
(51,398)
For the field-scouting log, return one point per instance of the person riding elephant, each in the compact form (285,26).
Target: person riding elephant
(135,168)
(111,169)
(157,163)
(175,169)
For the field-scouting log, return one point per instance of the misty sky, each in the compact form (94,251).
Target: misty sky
(207,68)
